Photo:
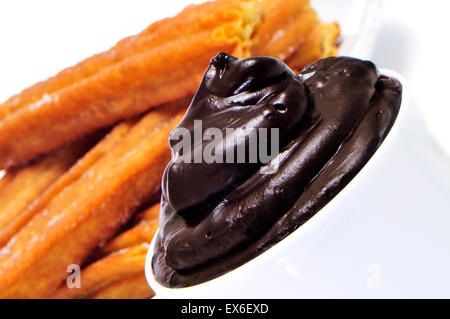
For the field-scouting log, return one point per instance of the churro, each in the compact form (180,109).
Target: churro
(98,196)
(123,264)
(119,280)
(139,233)
(320,43)
(21,187)
(53,212)
(129,288)
(162,64)
(292,31)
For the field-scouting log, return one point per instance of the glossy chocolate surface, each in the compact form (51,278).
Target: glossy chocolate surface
(332,117)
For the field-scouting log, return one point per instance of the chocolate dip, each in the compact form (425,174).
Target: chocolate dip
(331,117)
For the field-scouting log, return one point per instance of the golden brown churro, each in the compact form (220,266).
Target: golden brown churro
(162,64)
(320,43)
(140,233)
(20,187)
(123,264)
(96,200)
(79,204)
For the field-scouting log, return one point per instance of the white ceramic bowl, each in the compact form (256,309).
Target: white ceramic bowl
(384,235)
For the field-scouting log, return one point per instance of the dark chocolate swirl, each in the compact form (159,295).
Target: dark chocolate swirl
(332,117)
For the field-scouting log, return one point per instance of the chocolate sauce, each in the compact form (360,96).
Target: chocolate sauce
(332,117)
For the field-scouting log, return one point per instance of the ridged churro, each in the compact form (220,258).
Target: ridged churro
(139,233)
(113,272)
(121,265)
(292,31)
(163,63)
(320,43)
(21,187)
(92,202)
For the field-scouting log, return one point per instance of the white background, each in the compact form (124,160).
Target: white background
(40,38)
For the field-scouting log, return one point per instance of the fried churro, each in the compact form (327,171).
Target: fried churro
(21,187)
(113,269)
(113,273)
(92,202)
(163,63)
(53,214)
(139,233)
(320,43)
(292,31)
(129,288)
